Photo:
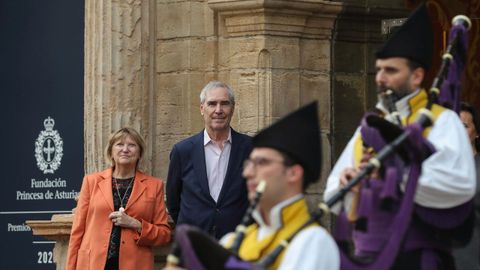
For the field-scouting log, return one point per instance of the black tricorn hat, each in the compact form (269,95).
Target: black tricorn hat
(412,40)
(298,136)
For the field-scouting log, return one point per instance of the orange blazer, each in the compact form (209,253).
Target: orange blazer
(91,228)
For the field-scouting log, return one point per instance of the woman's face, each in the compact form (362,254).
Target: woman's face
(125,152)
(467,121)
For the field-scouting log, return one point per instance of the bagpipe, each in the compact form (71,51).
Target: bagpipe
(397,147)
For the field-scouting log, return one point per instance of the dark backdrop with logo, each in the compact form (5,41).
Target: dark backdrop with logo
(41,76)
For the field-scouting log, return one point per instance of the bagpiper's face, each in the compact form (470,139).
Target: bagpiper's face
(266,164)
(395,74)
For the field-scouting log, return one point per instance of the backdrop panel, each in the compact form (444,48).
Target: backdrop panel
(41,86)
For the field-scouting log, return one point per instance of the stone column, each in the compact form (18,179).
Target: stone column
(57,229)
(185,60)
(121,84)
(119,74)
(277,55)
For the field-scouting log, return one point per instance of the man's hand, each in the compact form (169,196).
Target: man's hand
(366,156)
(346,176)
(349,173)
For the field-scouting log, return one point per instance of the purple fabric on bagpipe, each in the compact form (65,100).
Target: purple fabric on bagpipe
(233,263)
(417,148)
(450,98)
(450,90)
(189,255)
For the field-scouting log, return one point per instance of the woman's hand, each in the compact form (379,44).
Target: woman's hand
(120,218)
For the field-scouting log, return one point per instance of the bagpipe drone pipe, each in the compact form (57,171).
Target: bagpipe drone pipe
(396,148)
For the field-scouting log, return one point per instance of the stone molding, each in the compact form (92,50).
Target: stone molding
(309,19)
(56,229)
(300,5)
(58,226)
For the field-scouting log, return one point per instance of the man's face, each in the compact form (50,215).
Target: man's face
(266,164)
(395,74)
(217,110)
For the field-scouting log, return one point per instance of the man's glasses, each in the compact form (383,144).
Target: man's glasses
(259,162)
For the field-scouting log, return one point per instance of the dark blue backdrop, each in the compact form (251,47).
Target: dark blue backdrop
(41,75)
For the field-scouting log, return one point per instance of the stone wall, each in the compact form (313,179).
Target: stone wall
(146,62)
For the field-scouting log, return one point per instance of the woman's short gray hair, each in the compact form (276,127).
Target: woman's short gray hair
(216,84)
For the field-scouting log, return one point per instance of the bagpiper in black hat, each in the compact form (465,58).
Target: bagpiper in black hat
(298,136)
(413,40)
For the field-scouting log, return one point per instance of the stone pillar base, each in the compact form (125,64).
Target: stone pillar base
(58,229)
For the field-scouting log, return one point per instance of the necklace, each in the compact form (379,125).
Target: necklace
(122,209)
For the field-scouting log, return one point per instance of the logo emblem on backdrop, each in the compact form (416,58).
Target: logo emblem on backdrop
(48,148)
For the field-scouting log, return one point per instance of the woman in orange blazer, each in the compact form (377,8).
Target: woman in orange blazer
(120,213)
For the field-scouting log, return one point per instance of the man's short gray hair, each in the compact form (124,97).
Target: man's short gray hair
(217,84)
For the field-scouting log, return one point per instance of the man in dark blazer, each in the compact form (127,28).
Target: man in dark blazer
(205,187)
